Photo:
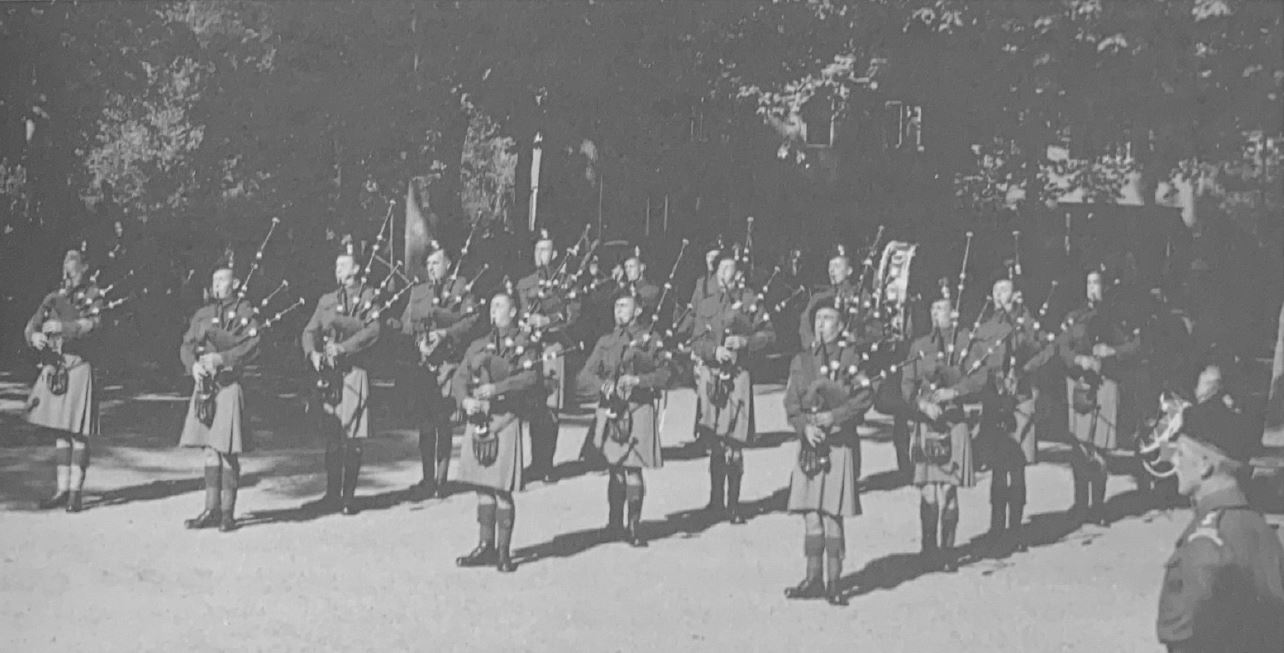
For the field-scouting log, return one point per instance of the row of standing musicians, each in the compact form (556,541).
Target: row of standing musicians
(510,374)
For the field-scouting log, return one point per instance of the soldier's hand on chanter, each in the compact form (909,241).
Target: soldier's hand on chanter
(930,409)
(723,355)
(1102,350)
(317,358)
(814,435)
(51,327)
(485,391)
(38,340)
(333,350)
(1084,362)
(945,394)
(212,361)
(198,370)
(824,419)
(538,321)
(471,405)
(736,342)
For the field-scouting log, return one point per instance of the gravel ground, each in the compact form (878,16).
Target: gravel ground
(125,576)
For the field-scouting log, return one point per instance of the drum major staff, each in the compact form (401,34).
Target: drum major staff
(63,397)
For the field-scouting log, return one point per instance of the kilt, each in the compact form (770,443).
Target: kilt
(228,433)
(734,421)
(353,411)
(958,470)
(643,448)
(76,410)
(1100,428)
(505,474)
(833,492)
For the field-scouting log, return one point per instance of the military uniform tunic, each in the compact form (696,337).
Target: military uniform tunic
(220,327)
(1011,340)
(438,305)
(76,410)
(938,361)
(632,440)
(539,294)
(724,313)
(506,359)
(1223,589)
(810,389)
(1108,419)
(343,317)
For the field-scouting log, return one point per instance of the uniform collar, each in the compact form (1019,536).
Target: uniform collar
(1231,497)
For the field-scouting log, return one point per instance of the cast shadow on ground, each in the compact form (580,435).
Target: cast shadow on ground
(685,524)
(1044,529)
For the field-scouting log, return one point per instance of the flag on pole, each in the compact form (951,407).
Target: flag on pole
(419,232)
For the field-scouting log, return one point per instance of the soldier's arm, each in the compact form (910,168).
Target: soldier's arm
(1129,347)
(658,376)
(590,379)
(312,331)
(521,379)
(248,347)
(764,334)
(858,402)
(976,367)
(1065,342)
(794,390)
(407,328)
(366,336)
(37,319)
(187,348)
(88,321)
(1189,612)
(459,381)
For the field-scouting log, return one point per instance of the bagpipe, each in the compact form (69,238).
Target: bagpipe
(619,391)
(518,356)
(208,386)
(240,328)
(433,353)
(89,303)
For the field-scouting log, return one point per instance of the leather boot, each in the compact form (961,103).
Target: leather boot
(635,520)
(210,516)
(503,538)
(733,496)
(1015,518)
(615,501)
(482,556)
(73,501)
(717,479)
(927,518)
(949,527)
(351,470)
(811,586)
(329,502)
(227,521)
(58,500)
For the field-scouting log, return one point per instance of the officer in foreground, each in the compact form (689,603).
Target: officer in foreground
(1223,587)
